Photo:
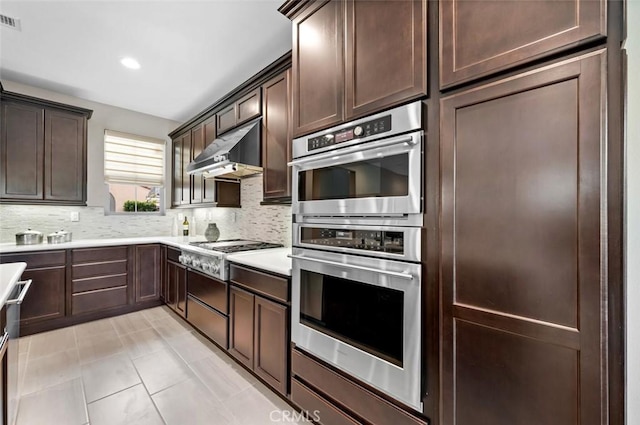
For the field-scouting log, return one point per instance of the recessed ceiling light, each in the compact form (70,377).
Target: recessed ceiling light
(130,63)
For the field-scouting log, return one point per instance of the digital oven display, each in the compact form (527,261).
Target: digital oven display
(365,129)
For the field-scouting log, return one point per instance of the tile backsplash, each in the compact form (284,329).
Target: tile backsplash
(252,221)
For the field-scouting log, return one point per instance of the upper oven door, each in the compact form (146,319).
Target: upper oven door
(378,178)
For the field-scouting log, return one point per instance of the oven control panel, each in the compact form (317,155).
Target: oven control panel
(365,129)
(369,240)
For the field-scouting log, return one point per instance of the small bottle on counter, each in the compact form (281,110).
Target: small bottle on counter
(185,227)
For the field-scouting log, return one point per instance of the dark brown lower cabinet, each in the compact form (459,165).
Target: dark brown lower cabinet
(241,306)
(177,287)
(46,299)
(148,272)
(259,324)
(331,398)
(207,306)
(523,285)
(100,279)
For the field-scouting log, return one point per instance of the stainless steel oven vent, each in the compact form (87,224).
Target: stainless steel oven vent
(10,22)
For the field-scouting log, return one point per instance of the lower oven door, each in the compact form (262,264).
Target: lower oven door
(361,315)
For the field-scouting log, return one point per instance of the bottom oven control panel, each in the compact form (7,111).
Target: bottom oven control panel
(369,240)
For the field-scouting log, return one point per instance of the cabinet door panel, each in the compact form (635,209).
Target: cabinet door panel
(270,345)
(64,156)
(172,284)
(241,325)
(226,118)
(176,181)
(276,138)
(46,297)
(318,68)
(181,290)
(482,37)
(21,151)
(385,54)
(248,107)
(185,177)
(521,269)
(197,146)
(148,273)
(208,186)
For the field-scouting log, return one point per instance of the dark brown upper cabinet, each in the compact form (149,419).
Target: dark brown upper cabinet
(524,308)
(318,67)
(479,38)
(353,58)
(240,111)
(208,187)
(386,51)
(43,151)
(197,146)
(181,182)
(276,138)
(196,190)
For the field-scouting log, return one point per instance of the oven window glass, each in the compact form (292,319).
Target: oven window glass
(377,177)
(366,316)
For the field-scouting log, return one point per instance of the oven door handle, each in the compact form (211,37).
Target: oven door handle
(26,284)
(401,275)
(354,149)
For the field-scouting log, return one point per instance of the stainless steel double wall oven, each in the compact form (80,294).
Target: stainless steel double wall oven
(358,205)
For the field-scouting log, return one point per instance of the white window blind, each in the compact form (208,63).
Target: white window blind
(132,159)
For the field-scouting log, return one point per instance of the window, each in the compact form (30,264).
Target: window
(133,173)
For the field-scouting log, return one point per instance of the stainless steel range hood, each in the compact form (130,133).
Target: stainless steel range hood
(234,154)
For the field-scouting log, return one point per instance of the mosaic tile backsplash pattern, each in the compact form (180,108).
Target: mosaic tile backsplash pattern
(252,221)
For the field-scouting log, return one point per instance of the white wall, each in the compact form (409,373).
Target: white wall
(633,214)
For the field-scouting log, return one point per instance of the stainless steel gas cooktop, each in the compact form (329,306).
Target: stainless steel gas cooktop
(210,257)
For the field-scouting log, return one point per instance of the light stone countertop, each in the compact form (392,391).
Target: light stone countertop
(275,260)
(176,241)
(9,274)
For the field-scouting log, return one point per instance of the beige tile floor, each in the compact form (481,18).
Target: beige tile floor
(146,368)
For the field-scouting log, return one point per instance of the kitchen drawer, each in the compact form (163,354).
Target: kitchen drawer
(37,259)
(94,255)
(81,271)
(362,402)
(265,284)
(317,407)
(208,321)
(173,254)
(208,290)
(98,300)
(99,282)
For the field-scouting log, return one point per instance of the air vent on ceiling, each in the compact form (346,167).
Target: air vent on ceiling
(10,22)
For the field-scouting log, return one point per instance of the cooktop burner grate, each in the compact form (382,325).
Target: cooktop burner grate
(235,245)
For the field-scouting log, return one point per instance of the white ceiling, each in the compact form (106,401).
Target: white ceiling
(191,52)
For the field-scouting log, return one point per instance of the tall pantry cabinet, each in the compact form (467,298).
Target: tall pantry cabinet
(530,212)
(522,296)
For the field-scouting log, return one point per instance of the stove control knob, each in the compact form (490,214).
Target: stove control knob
(206,267)
(215,268)
(181,259)
(195,262)
(357,131)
